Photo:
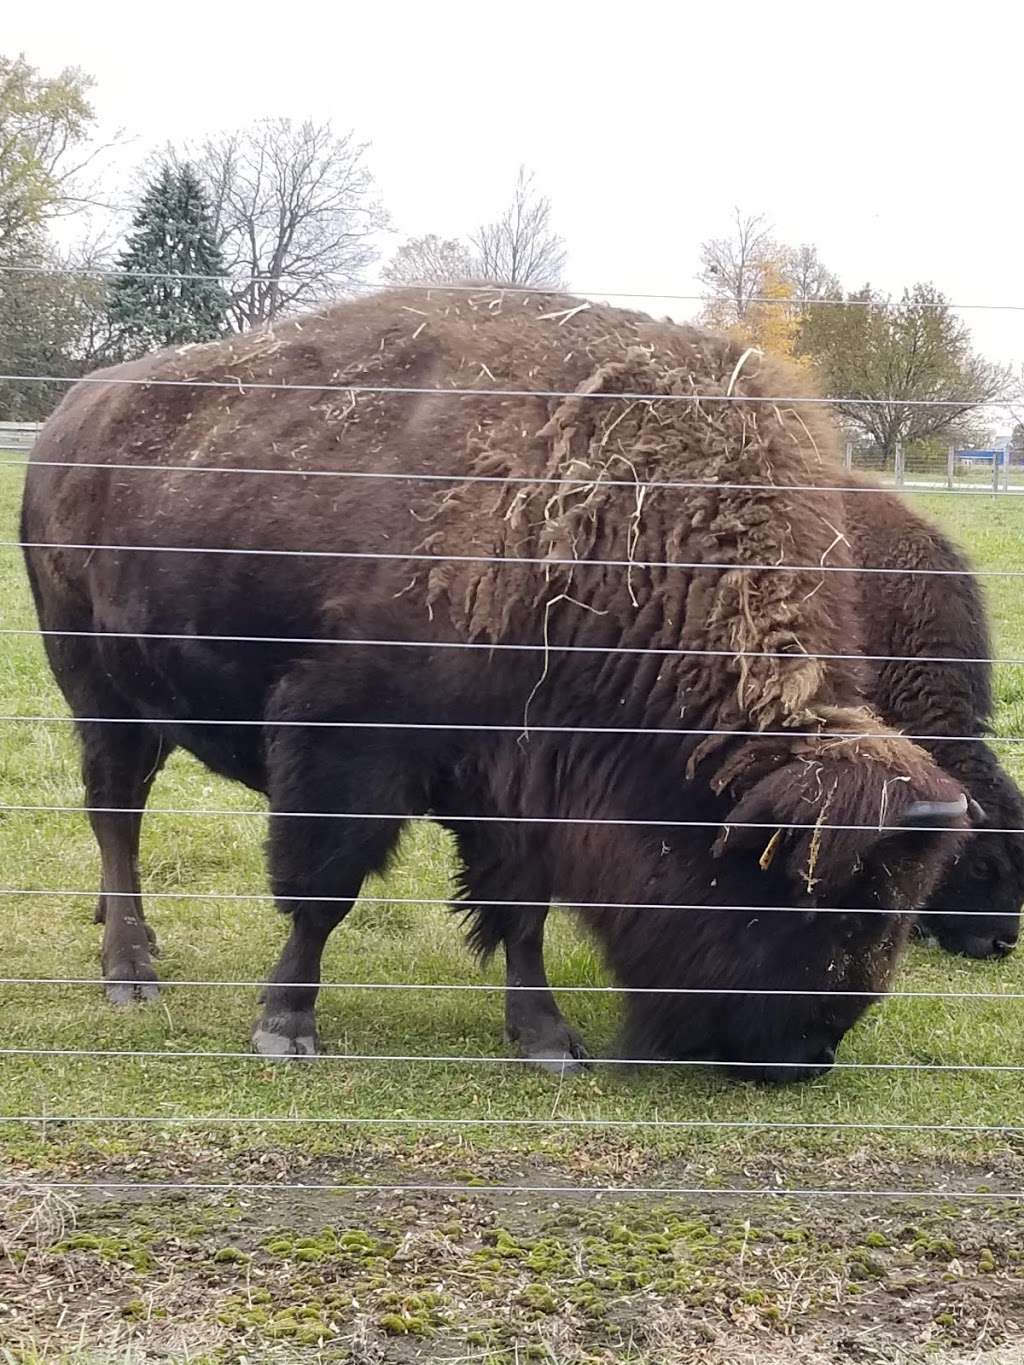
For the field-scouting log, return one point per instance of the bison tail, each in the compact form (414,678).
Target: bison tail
(852,814)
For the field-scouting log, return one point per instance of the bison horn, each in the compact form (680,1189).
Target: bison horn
(977,810)
(935,814)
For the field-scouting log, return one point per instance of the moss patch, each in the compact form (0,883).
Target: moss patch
(393,1279)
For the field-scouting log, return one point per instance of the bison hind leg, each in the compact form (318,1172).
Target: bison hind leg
(119,763)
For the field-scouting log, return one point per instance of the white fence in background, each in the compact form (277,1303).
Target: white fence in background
(983,471)
(18,435)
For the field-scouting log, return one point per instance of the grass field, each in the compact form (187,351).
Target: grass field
(52,936)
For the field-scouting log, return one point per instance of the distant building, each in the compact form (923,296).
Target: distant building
(983,457)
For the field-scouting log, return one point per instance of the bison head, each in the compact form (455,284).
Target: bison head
(976,909)
(983,890)
(770,990)
(749,1014)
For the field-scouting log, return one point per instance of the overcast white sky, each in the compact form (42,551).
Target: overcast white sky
(886,134)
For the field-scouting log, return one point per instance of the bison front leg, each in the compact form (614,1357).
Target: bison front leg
(317,867)
(318,863)
(287,1026)
(533,1021)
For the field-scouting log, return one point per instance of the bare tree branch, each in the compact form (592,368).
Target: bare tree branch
(808,275)
(432,260)
(756,285)
(733,268)
(295,213)
(521,247)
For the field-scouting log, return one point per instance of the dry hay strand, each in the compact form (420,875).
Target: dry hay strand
(367,1344)
(862,734)
(814,850)
(34,1216)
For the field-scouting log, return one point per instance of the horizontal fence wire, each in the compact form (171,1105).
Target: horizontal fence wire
(494,988)
(430,287)
(490,1059)
(204,812)
(458,906)
(420,557)
(481,1188)
(475,728)
(555,1122)
(505,646)
(566,481)
(244,386)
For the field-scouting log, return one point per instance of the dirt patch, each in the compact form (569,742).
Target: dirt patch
(368,1277)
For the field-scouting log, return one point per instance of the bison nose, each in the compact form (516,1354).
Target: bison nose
(1003,947)
(806,1068)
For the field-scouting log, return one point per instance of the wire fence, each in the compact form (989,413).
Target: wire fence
(471,727)
(485,289)
(469,1121)
(545,561)
(567,481)
(482,818)
(453,987)
(407,1059)
(240,389)
(695,397)
(479,1188)
(504,646)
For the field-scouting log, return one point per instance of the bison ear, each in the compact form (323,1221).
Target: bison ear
(936,814)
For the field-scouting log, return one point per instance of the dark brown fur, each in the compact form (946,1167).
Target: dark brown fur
(734,613)
(919,617)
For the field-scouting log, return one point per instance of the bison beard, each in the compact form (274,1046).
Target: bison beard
(919,617)
(569,482)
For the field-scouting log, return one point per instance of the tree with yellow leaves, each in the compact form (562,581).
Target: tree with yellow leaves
(757,287)
(45,122)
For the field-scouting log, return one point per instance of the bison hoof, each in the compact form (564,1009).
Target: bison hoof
(556,1049)
(131,980)
(569,1064)
(286,1035)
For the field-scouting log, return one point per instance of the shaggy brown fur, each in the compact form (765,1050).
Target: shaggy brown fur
(923,615)
(755,633)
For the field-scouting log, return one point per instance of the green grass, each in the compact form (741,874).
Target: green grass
(49,936)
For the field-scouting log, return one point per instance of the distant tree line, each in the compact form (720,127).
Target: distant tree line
(238,228)
(224,234)
(886,359)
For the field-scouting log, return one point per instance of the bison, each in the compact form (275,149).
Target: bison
(555,576)
(914,618)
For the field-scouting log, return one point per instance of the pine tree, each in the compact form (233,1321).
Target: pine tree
(166,296)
